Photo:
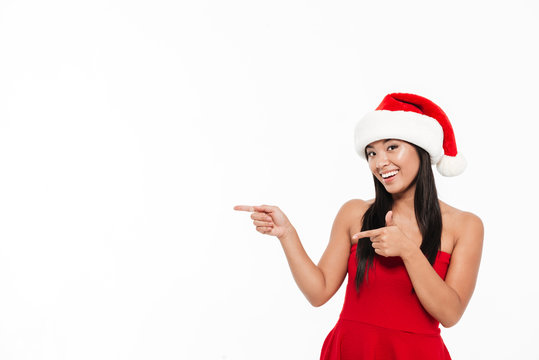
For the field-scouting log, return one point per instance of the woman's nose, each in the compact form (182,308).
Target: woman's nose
(381,161)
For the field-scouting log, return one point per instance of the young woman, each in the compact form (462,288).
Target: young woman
(412,260)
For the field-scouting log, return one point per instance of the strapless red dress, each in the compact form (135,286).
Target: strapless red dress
(385,320)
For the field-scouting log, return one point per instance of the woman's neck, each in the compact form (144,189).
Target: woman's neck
(403,203)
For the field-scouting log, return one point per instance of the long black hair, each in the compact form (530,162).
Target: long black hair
(427,214)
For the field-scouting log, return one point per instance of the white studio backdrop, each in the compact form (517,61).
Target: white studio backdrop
(130,129)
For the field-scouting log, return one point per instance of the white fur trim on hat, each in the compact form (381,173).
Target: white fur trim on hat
(421,130)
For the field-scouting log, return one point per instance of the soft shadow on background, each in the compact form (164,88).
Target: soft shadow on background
(130,129)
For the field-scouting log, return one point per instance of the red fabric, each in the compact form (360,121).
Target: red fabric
(421,105)
(385,320)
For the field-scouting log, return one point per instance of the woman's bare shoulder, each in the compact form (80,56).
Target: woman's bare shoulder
(459,221)
(353,211)
(356,207)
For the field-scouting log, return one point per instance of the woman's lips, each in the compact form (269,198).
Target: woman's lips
(391,176)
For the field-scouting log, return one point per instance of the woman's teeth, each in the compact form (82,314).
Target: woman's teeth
(389,174)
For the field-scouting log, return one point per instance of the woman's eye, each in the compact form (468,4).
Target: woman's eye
(392,147)
(370,153)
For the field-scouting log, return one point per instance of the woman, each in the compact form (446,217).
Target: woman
(412,260)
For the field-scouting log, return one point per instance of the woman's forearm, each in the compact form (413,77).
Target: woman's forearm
(307,275)
(438,298)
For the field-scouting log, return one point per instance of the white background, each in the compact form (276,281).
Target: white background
(130,129)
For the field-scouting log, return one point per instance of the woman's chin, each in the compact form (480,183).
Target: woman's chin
(395,186)
(393,191)
(396,189)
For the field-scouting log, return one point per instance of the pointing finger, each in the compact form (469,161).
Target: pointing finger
(264,208)
(367,233)
(244,208)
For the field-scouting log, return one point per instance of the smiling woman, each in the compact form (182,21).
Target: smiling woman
(412,260)
(412,175)
(386,160)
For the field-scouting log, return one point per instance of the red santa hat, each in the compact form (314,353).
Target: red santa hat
(417,120)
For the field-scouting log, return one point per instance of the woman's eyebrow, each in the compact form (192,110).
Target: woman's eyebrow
(385,141)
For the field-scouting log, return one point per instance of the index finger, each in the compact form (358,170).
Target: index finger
(244,208)
(367,233)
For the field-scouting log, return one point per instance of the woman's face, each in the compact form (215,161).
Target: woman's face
(395,163)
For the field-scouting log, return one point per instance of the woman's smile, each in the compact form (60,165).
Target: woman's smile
(394,162)
(390,174)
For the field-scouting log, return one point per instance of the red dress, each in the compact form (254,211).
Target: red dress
(385,320)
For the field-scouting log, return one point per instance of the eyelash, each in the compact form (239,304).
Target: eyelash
(390,147)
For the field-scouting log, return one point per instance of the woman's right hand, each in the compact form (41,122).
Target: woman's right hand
(269,220)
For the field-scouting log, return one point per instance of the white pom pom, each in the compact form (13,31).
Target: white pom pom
(451,165)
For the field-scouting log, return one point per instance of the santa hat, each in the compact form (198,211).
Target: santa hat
(417,120)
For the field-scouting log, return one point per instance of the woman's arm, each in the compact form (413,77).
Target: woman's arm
(317,282)
(320,283)
(447,300)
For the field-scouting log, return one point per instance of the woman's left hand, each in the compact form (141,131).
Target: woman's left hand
(389,240)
